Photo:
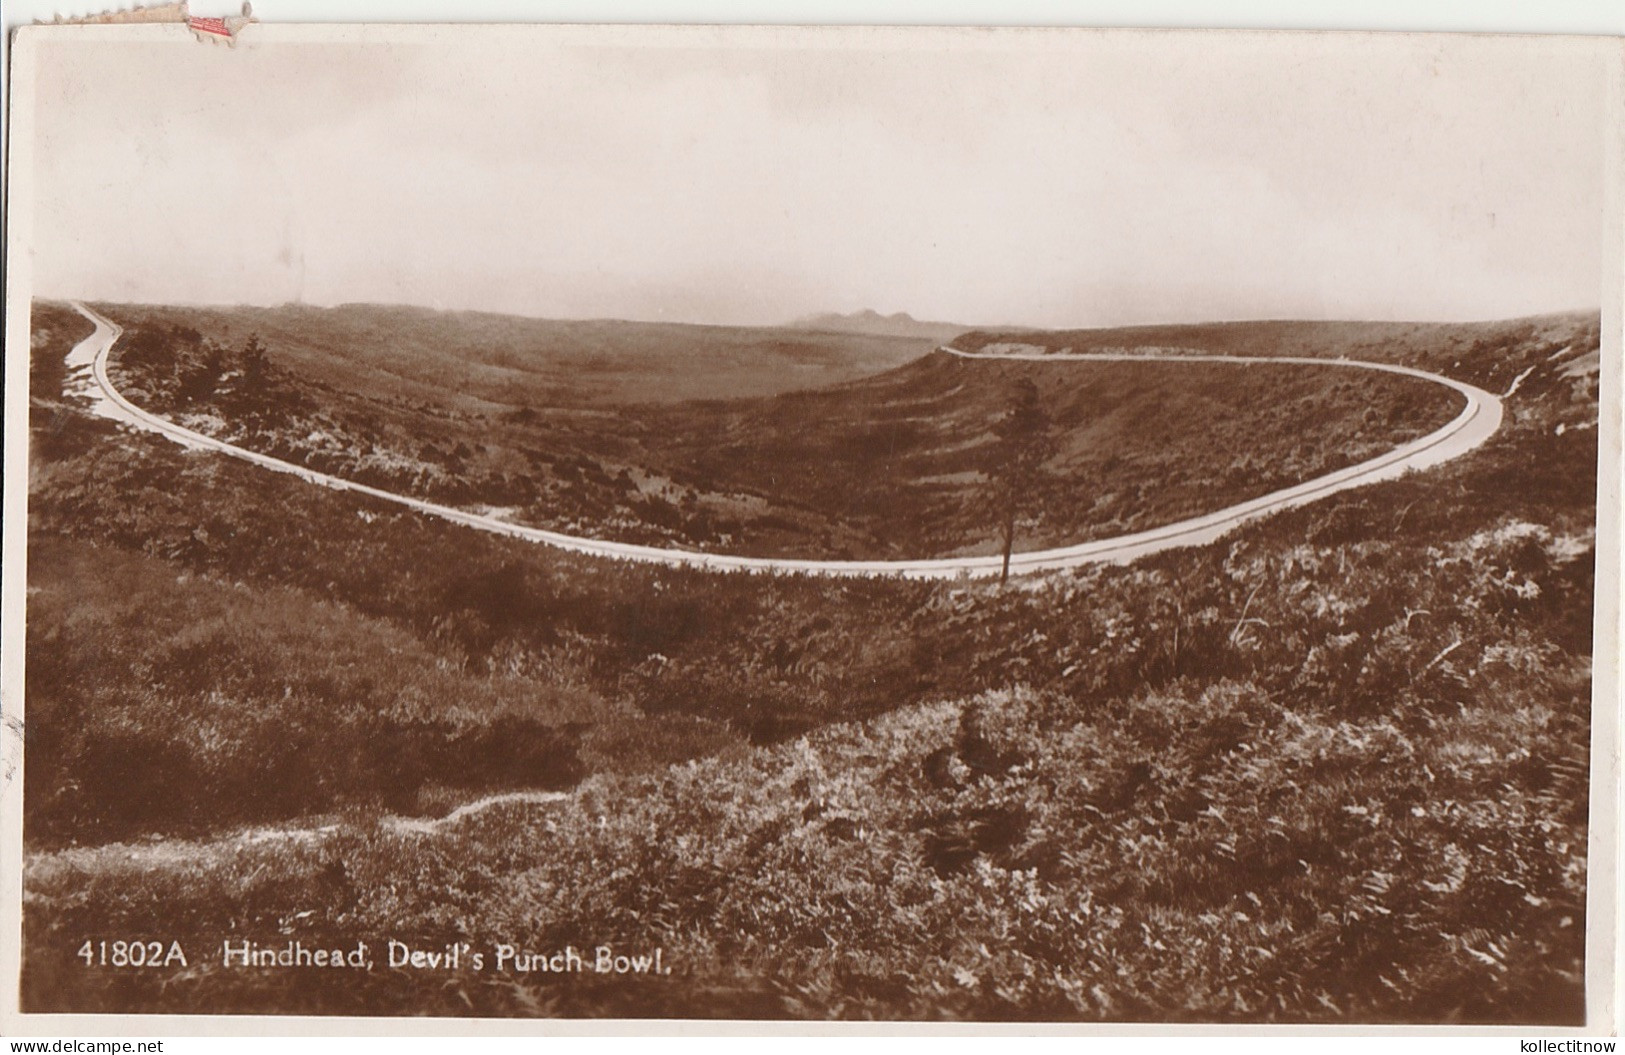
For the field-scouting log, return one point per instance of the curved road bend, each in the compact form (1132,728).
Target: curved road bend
(1478,420)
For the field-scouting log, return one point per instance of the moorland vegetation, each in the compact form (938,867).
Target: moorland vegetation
(1332,767)
(903,463)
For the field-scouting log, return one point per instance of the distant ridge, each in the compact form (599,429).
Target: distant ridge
(901,324)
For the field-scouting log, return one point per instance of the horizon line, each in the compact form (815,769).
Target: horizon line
(798,322)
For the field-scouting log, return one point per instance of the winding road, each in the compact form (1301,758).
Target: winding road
(1478,420)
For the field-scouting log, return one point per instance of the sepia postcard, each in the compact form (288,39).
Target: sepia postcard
(509,524)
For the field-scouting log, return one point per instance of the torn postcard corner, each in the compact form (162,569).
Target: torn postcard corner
(212,30)
(216,30)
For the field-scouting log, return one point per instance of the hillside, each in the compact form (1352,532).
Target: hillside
(897,464)
(1489,354)
(1125,794)
(907,456)
(477,361)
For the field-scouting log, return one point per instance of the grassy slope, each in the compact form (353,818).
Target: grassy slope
(224,703)
(893,465)
(645,639)
(1488,354)
(53,331)
(905,455)
(1332,768)
(1367,805)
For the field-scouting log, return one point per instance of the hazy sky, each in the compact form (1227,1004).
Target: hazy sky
(983,178)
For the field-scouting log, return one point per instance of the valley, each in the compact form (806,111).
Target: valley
(1378,700)
(901,465)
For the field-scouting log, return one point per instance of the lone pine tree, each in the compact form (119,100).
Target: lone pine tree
(1024,443)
